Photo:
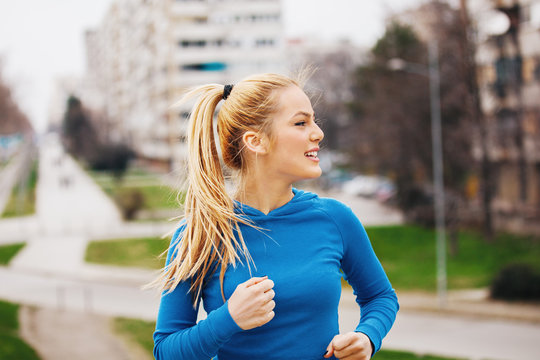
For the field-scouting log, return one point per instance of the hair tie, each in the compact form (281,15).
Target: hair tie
(227,91)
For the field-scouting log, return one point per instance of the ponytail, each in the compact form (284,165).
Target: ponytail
(211,222)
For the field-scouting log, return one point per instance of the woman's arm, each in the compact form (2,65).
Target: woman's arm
(179,336)
(374,293)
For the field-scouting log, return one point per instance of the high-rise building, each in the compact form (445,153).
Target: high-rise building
(146,53)
(509,82)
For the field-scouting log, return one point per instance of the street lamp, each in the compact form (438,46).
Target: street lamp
(432,72)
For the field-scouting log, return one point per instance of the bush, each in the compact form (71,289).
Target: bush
(112,157)
(516,282)
(130,202)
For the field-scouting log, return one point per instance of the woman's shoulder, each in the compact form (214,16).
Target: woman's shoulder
(332,205)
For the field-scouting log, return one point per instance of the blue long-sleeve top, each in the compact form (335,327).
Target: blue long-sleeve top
(307,246)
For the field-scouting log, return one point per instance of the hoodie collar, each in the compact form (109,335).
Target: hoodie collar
(301,200)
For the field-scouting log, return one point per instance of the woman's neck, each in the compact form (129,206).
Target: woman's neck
(264,195)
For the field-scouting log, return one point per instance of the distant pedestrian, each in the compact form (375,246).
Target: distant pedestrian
(266,261)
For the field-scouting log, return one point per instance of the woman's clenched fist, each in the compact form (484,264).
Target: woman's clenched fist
(252,303)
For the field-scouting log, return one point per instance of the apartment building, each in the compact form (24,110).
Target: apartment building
(509,81)
(146,53)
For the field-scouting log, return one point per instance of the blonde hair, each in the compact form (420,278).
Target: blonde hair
(211,222)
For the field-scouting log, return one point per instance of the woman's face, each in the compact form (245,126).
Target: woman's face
(295,138)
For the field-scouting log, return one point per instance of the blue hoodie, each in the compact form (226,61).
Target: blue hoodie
(307,246)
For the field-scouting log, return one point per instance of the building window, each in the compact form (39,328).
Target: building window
(192,43)
(537,70)
(507,126)
(217,42)
(509,72)
(528,69)
(263,42)
(209,66)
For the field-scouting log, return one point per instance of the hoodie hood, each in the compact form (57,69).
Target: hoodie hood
(300,201)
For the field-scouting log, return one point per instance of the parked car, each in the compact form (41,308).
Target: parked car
(378,187)
(334,179)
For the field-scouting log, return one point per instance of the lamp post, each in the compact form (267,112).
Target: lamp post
(432,72)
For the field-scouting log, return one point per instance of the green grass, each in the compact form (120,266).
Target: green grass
(28,205)
(156,195)
(159,197)
(7,252)
(9,320)
(408,257)
(138,331)
(12,347)
(401,355)
(128,252)
(141,332)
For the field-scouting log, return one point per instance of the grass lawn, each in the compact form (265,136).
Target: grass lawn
(28,205)
(141,332)
(408,256)
(12,347)
(7,252)
(156,195)
(128,252)
(401,355)
(138,331)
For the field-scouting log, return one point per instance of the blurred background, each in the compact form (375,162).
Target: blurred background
(431,114)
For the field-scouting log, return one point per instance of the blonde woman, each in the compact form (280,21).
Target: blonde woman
(266,261)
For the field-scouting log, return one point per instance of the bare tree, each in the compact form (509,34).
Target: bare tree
(391,110)
(12,119)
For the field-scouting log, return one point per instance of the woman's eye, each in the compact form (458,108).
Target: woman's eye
(300,123)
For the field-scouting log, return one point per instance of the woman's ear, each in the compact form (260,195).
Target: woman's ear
(255,142)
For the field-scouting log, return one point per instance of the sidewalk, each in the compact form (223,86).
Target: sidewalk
(71,209)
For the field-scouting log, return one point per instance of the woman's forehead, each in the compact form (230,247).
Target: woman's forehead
(293,101)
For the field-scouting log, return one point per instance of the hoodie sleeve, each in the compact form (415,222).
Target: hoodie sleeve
(178,335)
(373,291)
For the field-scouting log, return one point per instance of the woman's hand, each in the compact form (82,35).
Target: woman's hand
(350,346)
(251,305)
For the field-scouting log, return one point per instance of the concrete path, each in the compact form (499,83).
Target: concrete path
(370,212)
(71,209)
(45,329)
(464,337)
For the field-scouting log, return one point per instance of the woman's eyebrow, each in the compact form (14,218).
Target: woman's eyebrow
(303,113)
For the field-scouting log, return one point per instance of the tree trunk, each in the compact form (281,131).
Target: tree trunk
(475,105)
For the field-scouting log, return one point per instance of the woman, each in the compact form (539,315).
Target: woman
(267,261)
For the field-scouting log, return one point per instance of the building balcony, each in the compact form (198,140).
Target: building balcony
(203,8)
(189,8)
(227,55)
(209,31)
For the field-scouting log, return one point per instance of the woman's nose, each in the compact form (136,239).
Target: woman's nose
(317,134)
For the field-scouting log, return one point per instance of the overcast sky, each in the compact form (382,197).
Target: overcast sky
(43,39)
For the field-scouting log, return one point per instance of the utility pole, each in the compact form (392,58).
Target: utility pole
(433,74)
